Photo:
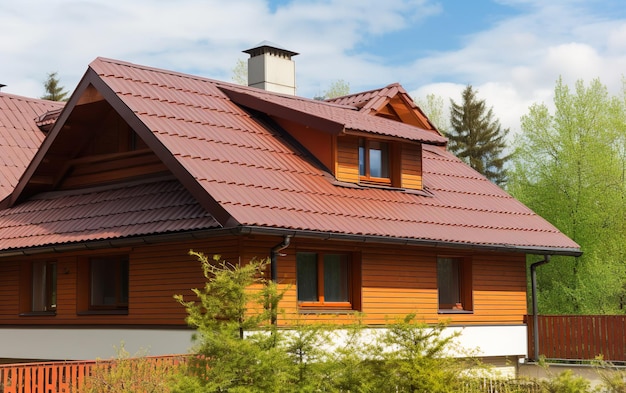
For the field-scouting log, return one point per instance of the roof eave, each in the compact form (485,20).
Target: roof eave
(534,250)
(295,233)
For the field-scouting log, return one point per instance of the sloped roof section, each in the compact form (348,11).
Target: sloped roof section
(20,136)
(124,211)
(254,173)
(299,109)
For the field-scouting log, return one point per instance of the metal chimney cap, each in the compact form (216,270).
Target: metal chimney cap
(254,51)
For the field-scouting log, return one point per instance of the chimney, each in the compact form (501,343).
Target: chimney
(270,68)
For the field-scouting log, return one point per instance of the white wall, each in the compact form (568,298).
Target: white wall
(89,344)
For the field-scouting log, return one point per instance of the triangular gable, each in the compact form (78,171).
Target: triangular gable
(391,102)
(92,95)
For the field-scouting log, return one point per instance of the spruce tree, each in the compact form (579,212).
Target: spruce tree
(477,138)
(54,92)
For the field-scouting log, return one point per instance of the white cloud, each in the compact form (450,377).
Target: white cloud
(512,63)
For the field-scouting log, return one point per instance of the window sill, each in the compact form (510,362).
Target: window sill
(103,312)
(455,312)
(321,310)
(38,314)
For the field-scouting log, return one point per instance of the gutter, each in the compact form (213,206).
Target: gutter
(254,230)
(533,280)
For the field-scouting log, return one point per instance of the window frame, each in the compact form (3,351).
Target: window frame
(85,286)
(364,159)
(48,296)
(464,286)
(353,282)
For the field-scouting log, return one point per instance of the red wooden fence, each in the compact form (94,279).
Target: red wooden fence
(579,337)
(58,377)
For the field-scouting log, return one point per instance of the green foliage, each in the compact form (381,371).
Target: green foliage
(569,167)
(227,308)
(240,73)
(433,108)
(477,138)
(54,92)
(336,89)
(128,374)
(565,382)
(406,356)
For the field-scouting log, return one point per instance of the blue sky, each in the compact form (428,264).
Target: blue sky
(511,51)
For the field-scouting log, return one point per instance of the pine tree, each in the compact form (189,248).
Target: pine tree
(477,138)
(54,92)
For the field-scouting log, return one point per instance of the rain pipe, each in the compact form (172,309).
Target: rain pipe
(533,280)
(274,253)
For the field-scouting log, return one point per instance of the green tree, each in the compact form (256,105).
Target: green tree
(240,350)
(570,167)
(227,307)
(477,138)
(433,108)
(240,72)
(336,89)
(54,91)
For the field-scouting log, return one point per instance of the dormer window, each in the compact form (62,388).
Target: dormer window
(374,165)
(375,162)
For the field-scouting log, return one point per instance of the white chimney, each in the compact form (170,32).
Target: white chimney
(270,68)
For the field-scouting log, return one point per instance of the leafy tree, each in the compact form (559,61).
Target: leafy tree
(240,72)
(477,138)
(54,91)
(433,107)
(337,88)
(570,168)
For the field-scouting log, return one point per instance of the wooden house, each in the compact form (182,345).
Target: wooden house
(356,201)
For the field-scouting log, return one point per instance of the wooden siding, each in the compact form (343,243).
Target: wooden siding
(411,166)
(347,168)
(395,281)
(107,168)
(320,144)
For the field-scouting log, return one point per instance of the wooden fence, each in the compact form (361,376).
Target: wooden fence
(579,337)
(62,377)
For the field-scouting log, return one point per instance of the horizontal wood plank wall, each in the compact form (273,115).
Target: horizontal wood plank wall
(156,273)
(95,170)
(398,281)
(411,170)
(9,289)
(395,281)
(347,159)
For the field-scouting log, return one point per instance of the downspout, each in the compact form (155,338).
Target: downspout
(274,253)
(533,280)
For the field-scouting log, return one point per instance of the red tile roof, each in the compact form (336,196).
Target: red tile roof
(121,211)
(262,181)
(19,136)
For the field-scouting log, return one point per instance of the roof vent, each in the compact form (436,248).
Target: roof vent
(270,68)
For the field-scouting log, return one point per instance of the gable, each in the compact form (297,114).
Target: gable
(391,102)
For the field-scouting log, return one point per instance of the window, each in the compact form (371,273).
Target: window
(108,279)
(44,286)
(374,161)
(454,281)
(326,279)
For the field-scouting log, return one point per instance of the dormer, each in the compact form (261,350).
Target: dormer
(369,160)
(356,148)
